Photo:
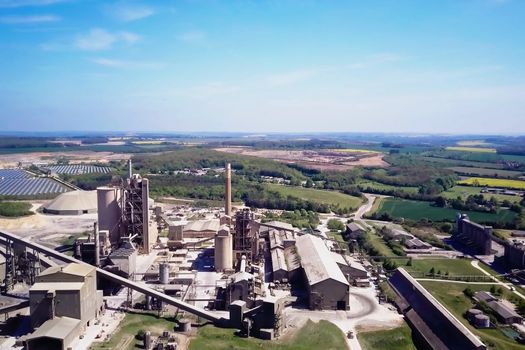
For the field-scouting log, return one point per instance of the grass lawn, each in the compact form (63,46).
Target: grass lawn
(416,210)
(504,183)
(124,337)
(471,149)
(455,267)
(393,339)
(323,335)
(465,191)
(318,196)
(451,295)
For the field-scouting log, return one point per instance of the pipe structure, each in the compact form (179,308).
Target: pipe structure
(97,244)
(130,169)
(207,315)
(228,190)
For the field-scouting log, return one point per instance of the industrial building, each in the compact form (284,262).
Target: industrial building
(63,301)
(353,230)
(201,228)
(474,235)
(503,312)
(326,285)
(435,327)
(515,254)
(73,203)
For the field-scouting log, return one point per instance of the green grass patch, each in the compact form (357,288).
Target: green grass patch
(417,210)
(465,191)
(392,339)
(15,209)
(471,149)
(451,295)
(455,267)
(322,335)
(383,187)
(318,196)
(124,337)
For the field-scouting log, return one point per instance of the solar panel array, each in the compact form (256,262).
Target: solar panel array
(30,186)
(78,169)
(13,174)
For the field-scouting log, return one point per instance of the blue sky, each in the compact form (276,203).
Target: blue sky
(263,66)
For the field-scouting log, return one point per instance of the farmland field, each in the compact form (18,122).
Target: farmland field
(471,149)
(465,191)
(417,210)
(380,186)
(485,172)
(319,196)
(459,162)
(503,183)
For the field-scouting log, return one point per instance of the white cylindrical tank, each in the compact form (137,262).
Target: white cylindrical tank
(147,340)
(223,250)
(164,273)
(109,211)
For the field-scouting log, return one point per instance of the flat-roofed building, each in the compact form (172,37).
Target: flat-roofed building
(326,284)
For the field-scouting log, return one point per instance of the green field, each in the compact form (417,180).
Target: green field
(459,162)
(455,267)
(465,191)
(417,210)
(323,335)
(15,209)
(473,171)
(319,196)
(503,183)
(124,337)
(380,186)
(471,149)
(393,339)
(451,295)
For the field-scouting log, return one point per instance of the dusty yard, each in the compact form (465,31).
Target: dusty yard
(321,160)
(74,157)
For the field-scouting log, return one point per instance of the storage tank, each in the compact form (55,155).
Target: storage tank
(185,325)
(223,250)
(471,313)
(481,321)
(109,212)
(147,340)
(164,273)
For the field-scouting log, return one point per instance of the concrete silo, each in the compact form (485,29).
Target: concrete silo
(164,273)
(109,212)
(223,249)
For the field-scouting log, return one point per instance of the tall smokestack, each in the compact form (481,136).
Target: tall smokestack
(130,169)
(228,190)
(97,244)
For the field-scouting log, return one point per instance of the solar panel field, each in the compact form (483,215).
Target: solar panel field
(79,169)
(16,182)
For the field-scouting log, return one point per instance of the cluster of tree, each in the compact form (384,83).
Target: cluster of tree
(15,209)
(88,182)
(340,180)
(275,200)
(197,158)
(477,202)
(298,218)
(28,142)
(335,225)
(395,245)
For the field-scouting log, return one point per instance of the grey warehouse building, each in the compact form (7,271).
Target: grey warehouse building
(326,284)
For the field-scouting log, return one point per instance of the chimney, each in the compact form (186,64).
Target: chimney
(130,169)
(97,244)
(228,190)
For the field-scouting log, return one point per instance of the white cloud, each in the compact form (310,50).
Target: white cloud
(193,37)
(127,12)
(24,3)
(34,19)
(123,64)
(99,39)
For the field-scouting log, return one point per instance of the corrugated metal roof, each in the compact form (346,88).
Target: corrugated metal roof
(502,310)
(316,260)
(44,286)
(278,260)
(353,226)
(56,328)
(72,269)
(338,258)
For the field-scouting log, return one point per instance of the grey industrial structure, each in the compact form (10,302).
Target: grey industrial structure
(353,230)
(503,312)
(436,328)
(63,301)
(474,235)
(515,254)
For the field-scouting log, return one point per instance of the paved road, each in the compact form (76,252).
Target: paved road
(475,263)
